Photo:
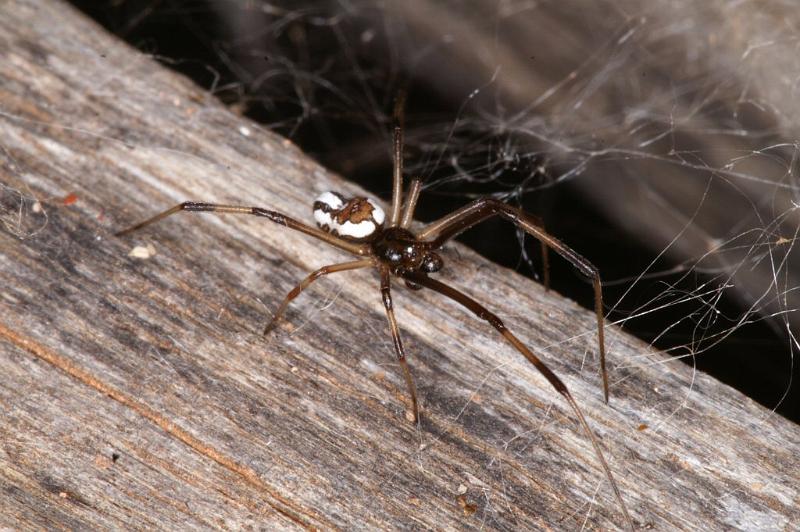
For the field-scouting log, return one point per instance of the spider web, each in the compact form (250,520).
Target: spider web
(658,140)
(623,126)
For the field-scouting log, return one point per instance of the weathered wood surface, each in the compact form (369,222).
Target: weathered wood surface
(139,392)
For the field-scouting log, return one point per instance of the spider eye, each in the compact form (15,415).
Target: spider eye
(355,219)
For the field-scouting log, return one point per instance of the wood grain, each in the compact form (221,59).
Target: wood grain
(138,393)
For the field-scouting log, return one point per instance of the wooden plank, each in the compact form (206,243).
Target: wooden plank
(161,360)
(73,459)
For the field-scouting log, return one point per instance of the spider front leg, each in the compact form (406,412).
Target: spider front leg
(273,216)
(397,156)
(483,313)
(413,414)
(480,210)
(313,276)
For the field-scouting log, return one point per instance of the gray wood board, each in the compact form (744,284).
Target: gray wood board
(140,393)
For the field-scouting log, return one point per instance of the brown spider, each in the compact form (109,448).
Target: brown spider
(357,225)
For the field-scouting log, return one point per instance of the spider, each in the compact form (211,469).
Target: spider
(359,226)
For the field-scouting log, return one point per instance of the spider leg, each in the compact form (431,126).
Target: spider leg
(480,210)
(411,202)
(278,218)
(313,276)
(481,312)
(546,272)
(397,150)
(386,293)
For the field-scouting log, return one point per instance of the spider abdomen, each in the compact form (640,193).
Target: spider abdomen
(357,218)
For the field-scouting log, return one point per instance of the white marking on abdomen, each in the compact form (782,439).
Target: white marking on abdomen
(356,218)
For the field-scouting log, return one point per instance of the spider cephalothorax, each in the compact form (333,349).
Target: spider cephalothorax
(401,250)
(357,226)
